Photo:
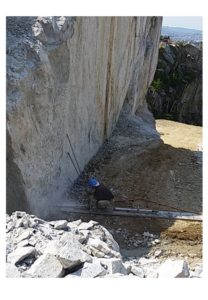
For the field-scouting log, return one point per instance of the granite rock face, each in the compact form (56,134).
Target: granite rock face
(68,75)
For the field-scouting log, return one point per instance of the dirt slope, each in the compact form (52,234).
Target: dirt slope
(163,175)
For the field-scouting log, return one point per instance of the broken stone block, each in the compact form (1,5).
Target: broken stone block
(20,253)
(173,269)
(25,235)
(127,266)
(69,251)
(90,270)
(114,265)
(23,243)
(138,271)
(61,224)
(102,246)
(45,266)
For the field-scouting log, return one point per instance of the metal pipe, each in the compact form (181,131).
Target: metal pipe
(72,162)
(73,152)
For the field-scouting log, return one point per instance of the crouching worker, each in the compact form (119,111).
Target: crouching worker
(102,196)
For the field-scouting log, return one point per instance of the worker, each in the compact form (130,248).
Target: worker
(102,195)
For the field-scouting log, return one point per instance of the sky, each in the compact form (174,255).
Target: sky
(186,22)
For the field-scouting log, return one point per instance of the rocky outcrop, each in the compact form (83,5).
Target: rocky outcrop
(176,92)
(36,248)
(68,75)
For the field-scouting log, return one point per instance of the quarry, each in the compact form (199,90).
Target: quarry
(87,98)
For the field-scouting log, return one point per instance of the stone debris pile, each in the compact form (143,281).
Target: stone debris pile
(37,248)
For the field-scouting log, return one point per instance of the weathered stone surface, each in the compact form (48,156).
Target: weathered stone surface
(25,235)
(61,224)
(12,271)
(20,253)
(68,250)
(24,243)
(51,61)
(90,270)
(101,233)
(46,265)
(114,266)
(173,269)
(138,271)
(103,247)
(86,225)
(127,266)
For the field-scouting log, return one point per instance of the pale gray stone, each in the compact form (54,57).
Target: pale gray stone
(69,251)
(150,272)
(24,243)
(127,266)
(114,266)
(145,261)
(173,269)
(25,235)
(138,271)
(86,225)
(20,253)
(74,223)
(198,272)
(96,253)
(157,253)
(12,271)
(102,246)
(61,224)
(90,270)
(46,265)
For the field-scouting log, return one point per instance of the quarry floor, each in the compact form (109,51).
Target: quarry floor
(163,175)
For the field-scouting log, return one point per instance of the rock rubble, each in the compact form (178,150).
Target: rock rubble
(40,249)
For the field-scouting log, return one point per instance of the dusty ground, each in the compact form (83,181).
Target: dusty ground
(147,173)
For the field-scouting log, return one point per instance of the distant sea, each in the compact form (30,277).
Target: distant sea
(182,34)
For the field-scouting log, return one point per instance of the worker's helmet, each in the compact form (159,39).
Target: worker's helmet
(93,182)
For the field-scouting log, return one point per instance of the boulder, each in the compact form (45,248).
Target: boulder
(90,270)
(114,265)
(61,224)
(69,251)
(127,266)
(173,269)
(25,235)
(20,253)
(138,271)
(46,265)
